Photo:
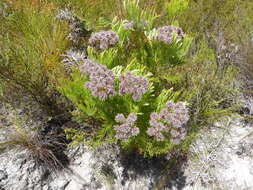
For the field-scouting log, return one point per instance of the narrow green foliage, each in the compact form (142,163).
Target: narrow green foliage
(176,8)
(210,95)
(31,44)
(208,17)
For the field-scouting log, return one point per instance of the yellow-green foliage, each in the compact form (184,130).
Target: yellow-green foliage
(31,41)
(209,93)
(176,7)
(75,136)
(139,53)
(232,18)
(210,97)
(207,17)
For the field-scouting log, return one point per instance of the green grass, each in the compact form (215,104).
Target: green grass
(32,42)
(208,17)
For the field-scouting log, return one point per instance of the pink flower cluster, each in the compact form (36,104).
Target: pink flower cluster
(134,85)
(101,82)
(171,119)
(127,128)
(103,40)
(165,34)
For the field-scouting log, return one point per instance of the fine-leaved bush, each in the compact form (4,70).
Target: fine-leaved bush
(31,42)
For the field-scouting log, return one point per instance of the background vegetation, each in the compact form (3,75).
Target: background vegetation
(32,41)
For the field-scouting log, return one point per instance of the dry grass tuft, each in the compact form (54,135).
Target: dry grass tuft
(42,150)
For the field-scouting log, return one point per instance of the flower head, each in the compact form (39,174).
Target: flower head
(65,15)
(166,33)
(171,119)
(127,128)
(103,40)
(101,82)
(134,85)
(120,118)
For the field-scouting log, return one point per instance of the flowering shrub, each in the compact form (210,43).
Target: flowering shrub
(129,82)
(122,87)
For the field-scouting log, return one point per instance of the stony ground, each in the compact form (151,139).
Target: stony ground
(222,158)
